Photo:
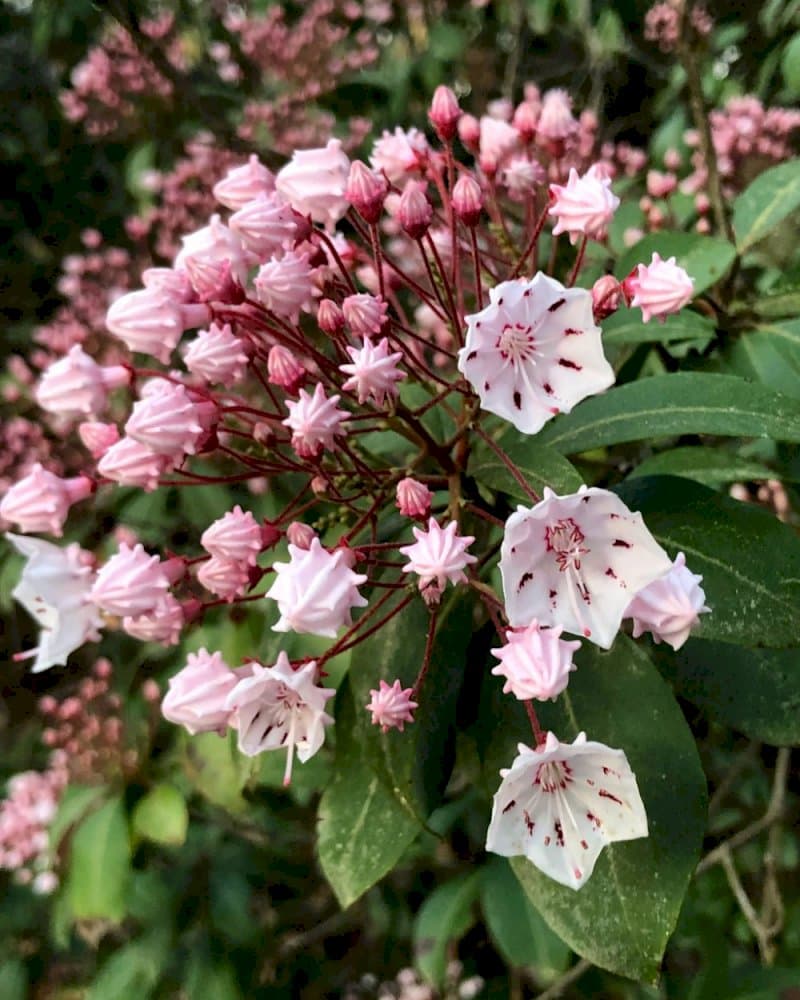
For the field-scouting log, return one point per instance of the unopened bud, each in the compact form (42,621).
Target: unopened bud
(444,113)
(366,191)
(467,200)
(414,211)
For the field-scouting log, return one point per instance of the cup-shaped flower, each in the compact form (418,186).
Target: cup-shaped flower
(391,706)
(53,589)
(373,371)
(670,607)
(438,555)
(314,182)
(315,591)
(536,662)
(197,693)
(277,707)
(534,351)
(577,561)
(76,385)
(560,804)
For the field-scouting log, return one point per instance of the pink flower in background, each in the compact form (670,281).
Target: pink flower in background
(366,191)
(315,591)
(399,153)
(536,662)
(534,351)
(560,804)
(556,121)
(577,561)
(277,707)
(670,607)
(391,706)
(197,694)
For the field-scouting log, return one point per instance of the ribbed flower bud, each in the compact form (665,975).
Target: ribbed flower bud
(152,321)
(414,210)
(413,498)
(300,535)
(365,314)
(444,113)
(76,385)
(284,369)
(41,500)
(330,317)
(366,191)
(97,437)
(467,200)
(242,184)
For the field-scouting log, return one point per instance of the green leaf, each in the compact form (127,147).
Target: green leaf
(621,919)
(100,864)
(363,828)
(790,66)
(161,816)
(517,929)
(760,355)
(706,258)
(216,769)
(444,917)
(668,405)
(749,560)
(132,971)
(710,466)
(205,978)
(14,977)
(785,302)
(540,466)
(74,804)
(763,204)
(626,327)
(756,691)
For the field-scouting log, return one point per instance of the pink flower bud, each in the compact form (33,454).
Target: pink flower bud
(399,153)
(131,463)
(244,183)
(498,141)
(702,202)
(235,536)
(97,437)
(76,385)
(284,369)
(414,210)
(206,252)
(366,191)
(526,119)
(41,501)
(521,177)
(162,625)
(131,583)
(150,690)
(413,498)
(670,607)
(391,706)
(226,578)
(556,121)
(469,132)
(266,225)
(607,296)
(330,317)
(444,113)
(285,285)
(170,422)
(197,694)
(216,355)
(660,185)
(658,288)
(300,535)
(584,206)
(174,283)
(151,321)
(467,200)
(314,182)
(365,314)
(536,662)
(315,422)
(672,159)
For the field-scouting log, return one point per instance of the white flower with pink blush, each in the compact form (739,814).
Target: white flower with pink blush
(315,421)
(169,421)
(76,385)
(659,288)
(391,706)
(316,590)
(534,351)
(373,372)
(133,582)
(244,183)
(285,285)
(54,589)
(314,182)
(265,225)
(577,561)
(40,501)
(236,536)
(399,153)
(197,694)
(536,662)
(560,804)
(584,206)
(670,607)
(438,555)
(276,708)
(216,355)
(152,321)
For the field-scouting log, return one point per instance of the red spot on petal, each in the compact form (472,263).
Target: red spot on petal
(587,632)
(510,805)
(569,332)
(556,305)
(566,363)
(619,543)
(605,794)
(584,845)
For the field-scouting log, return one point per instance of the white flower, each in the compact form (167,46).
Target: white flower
(670,607)
(577,561)
(559,806)
(54,589)
(315,590)
(280,707)
(534,351)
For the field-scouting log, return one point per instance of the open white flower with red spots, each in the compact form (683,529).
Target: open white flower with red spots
(559,806)
(670,607)
(278,707)
(534,351)
(577,561)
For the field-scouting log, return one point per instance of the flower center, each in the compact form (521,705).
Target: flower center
(553,776)
(516,343)
(564,539)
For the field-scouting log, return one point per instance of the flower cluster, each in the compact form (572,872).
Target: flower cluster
(306,334)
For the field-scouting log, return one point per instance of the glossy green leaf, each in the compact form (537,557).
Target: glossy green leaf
(161,816)
(767,201)
(540,466)
(710,466)
(100,864)
(668,405)
(756,691)
(363,827)
(761,356)
(444,917)
(706,258)
(749,560)
(626,327)
(517,929)
(621,919)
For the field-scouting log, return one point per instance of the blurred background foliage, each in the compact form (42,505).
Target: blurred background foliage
(191,873)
